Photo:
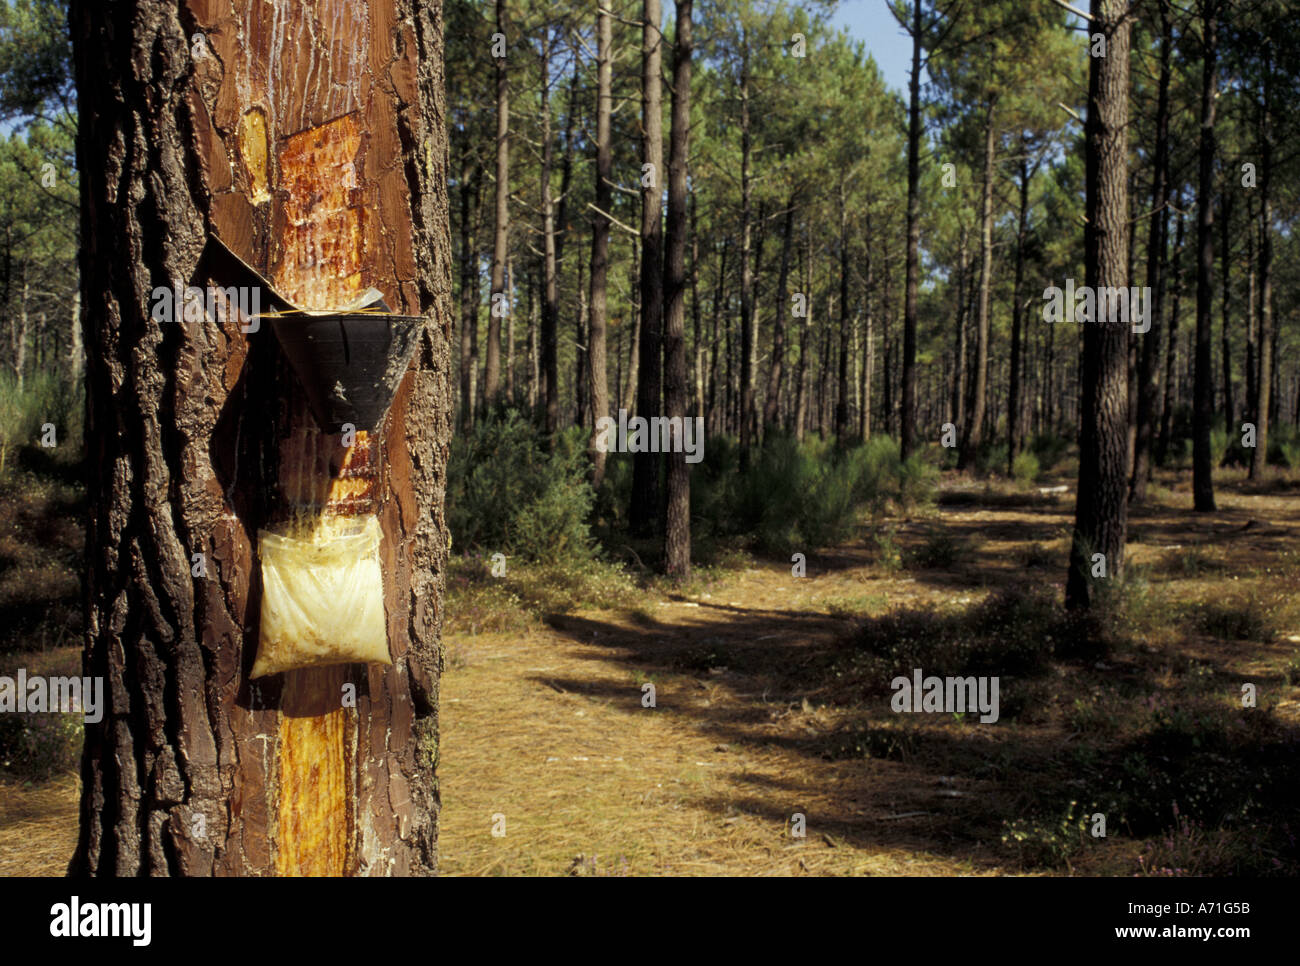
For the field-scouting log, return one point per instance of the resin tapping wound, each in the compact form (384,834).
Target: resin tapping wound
(255,153)
(324,222)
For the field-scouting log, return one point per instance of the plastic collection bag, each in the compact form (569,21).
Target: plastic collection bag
(322,597)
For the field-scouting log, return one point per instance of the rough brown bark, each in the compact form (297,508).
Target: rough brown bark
(748,325)
(1014,404)
(907,435)
(1157,243)
(677,513)
(1101,506)
(974,432)
(644,513)
(772,404)
(842,380)
(501,230)
(1225,309)
(597,369)
(193,427)
(1264,380)
(469,291)
(1170,394)
(550,334)
(1203,381)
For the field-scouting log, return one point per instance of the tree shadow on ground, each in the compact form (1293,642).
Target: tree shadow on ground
(813,691)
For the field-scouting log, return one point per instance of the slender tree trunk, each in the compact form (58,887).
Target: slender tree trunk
(469,295)
(1267,345)
(551,299)
(1101,507)
(801,380)
(974,435)
(1014,404)
(715,407)
(959,364)
(907,439)
(842,403)
(677,515)
(1252,324)
(193,770)
(1157,253)
(1225,305)
(1171,349)
(1203,386)
(24,331)
(697,364)
(869,338)
(512,298)
(647,495)
(748,330)
(634,348)
(501,234)
(76,353)
(772,405)
(597,365)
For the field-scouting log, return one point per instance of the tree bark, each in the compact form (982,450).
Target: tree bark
(842,402)
(644,513)
(1014,404)
(907,438)
(469,294)
(193,771)
(677,515)
(772,403)
(1225,304)
(974,434)
(1203,384)
(501,232)
(597,368)
(748,330)
(1264,382)
(1101,507)
(1157,243)
(1170,394)
(551,299)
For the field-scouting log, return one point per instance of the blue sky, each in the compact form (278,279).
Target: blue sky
(871,22)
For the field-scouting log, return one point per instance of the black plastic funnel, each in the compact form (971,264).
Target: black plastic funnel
(349,364)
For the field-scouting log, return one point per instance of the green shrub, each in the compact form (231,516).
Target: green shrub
(506,493)
(1025,467)
(44,398)
(1049,449)
(37,747)
(800,496)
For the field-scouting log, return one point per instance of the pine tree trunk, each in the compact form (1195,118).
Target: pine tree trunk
(1101,508)
(1014,404)
(551,298)
(974,434)
(192,426)
(772,403)
(597,369)
(677,515)
(469,293)
(1203,383)
(644,513)
(907,439)
(1157,243)
(1264,382)
(501,231)
(1225,304)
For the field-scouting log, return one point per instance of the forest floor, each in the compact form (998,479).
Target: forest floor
(771,700)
